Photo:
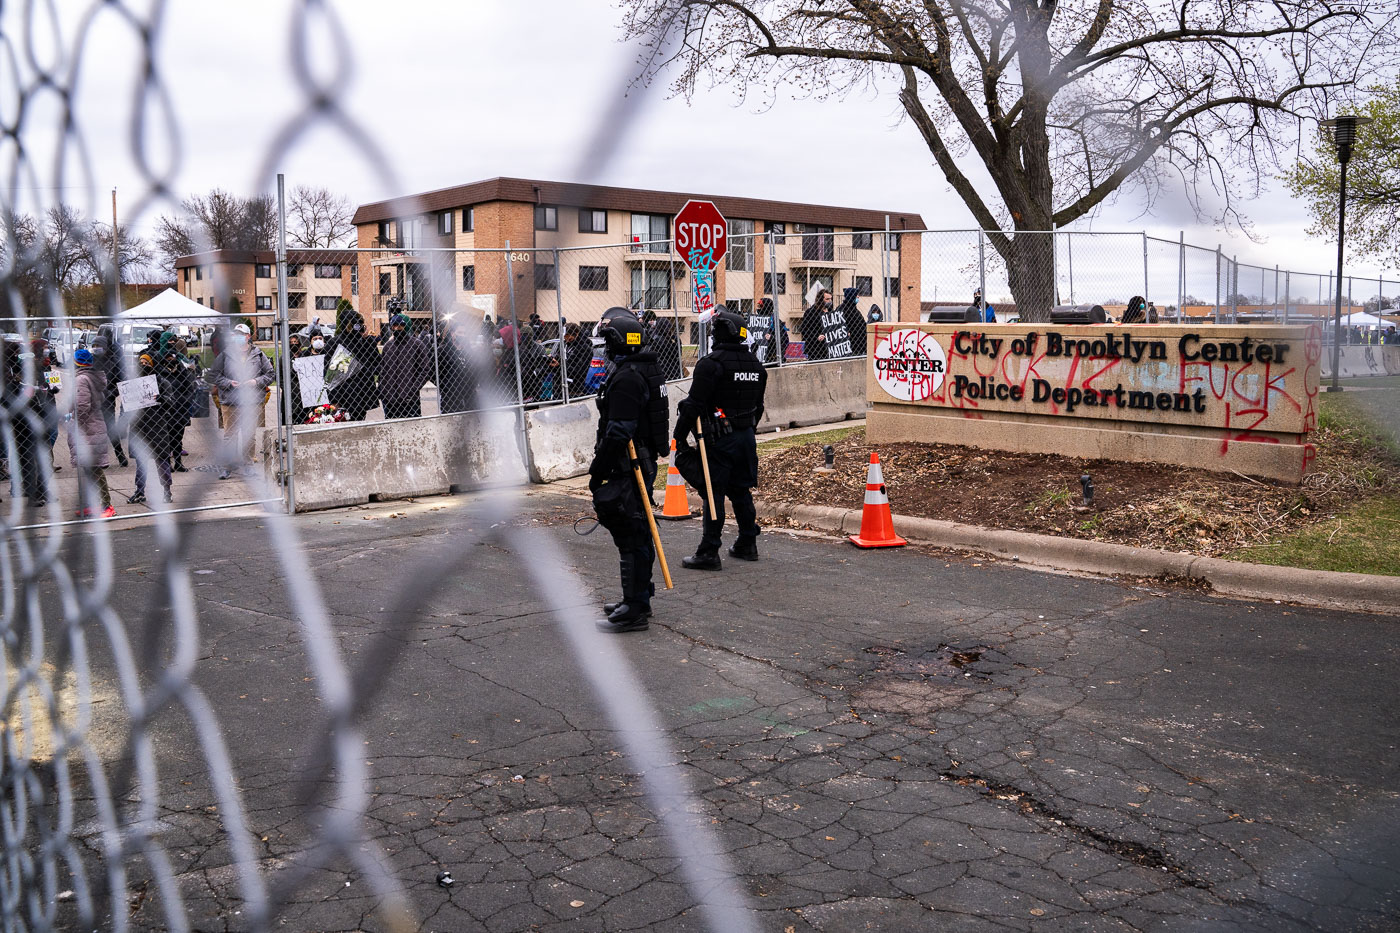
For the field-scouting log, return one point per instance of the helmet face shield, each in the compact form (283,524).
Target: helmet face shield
(622,334)
(728,327)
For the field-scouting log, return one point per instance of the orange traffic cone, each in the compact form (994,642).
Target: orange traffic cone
(876,523)
(676,505)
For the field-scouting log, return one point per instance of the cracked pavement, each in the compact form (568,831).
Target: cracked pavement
(885,740)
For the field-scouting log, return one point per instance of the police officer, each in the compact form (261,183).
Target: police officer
(631,407)
(726,392)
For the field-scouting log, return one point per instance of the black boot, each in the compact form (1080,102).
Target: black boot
(702,562)
(744,549)
(632,613)
(121,454)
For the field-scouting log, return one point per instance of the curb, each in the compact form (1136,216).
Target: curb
(1322,588)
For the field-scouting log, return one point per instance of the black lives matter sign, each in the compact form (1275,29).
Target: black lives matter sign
(838,335)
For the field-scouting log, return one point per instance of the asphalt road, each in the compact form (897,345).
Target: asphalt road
(889,740)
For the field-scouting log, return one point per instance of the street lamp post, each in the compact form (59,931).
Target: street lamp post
(1344,138)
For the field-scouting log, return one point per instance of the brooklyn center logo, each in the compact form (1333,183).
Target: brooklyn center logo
(909,364)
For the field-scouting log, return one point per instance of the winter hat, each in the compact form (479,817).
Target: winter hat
(82,357)
(241,329)
(399,320)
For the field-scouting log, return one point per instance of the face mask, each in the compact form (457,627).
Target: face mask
(318,344)
(358,328)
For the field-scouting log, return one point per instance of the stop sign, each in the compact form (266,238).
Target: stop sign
(701,234)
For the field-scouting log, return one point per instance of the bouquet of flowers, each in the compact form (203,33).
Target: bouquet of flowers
(326,414)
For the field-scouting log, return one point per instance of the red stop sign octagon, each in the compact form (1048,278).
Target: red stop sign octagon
(701,234)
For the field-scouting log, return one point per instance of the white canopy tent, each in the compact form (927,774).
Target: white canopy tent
(1362,319)
(171,307)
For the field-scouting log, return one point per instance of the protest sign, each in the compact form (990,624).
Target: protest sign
(311,378)
(138,393)
(838,336)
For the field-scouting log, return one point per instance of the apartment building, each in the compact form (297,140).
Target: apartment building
(572,251)
(316,281)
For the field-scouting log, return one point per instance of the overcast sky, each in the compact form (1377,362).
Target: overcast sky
(457,91)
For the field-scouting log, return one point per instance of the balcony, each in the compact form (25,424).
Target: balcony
(296,283)
(818,253)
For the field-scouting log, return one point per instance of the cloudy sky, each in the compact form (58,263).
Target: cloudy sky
(455,91)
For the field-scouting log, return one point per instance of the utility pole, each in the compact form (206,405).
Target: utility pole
(116,266)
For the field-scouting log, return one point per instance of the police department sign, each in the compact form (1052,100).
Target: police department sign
(909,364)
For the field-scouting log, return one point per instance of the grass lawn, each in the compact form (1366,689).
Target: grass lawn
(1368,382)
(821,438)
(1363,539)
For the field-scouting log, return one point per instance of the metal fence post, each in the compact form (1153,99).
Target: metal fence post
(285,340)
(1069,254)
(1217,283)
(1146,289)
(1180,275)
(982,271)
(515,330)
(885,270)
(433,296)
(773,290)
(559,315)
(1287,291)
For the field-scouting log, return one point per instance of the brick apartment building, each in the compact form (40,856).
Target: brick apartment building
(316,281)
(632,264)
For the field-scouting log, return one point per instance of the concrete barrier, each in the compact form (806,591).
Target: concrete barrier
(1391,358)
(349,464)
(1358,361)
(814,393)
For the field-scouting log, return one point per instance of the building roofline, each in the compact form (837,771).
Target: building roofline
(537,191)
(302,256)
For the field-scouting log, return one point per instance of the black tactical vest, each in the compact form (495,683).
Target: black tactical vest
(740,390)
(656,434)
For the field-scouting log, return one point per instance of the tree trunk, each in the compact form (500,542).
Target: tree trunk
(1030,268)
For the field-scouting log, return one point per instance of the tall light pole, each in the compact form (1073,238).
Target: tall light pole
(1344,138)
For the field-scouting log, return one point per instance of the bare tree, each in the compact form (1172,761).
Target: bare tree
(317,217)
(218,220)
(134,256)
(1061,102)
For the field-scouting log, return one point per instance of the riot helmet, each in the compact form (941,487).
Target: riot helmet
(622,333)
(728,327)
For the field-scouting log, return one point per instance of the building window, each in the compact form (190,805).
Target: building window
(296,300)
(211,301)
(386,283)
(592,278)
(199,301)
(199,273)
(546,275)
(818,244)
(651,233)
(382,234)
(293,268)
(327,302)
(187,274)
(355,279)
(892,242)
(546,218)
(893,284)
(591,221)
(779,232)
(263,303)
(468,219)
(860,240)
(865,286)
(445,223)
(262,270)
(740,256)
(265,334)
(653,291)
(326,271)
(469,278)
(740,306)
(768,283)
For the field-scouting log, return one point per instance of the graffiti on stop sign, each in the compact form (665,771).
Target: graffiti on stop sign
(702,237)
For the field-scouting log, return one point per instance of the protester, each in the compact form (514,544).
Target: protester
(46,393)
(989,313)
(107,358)
(855,323)
(242,374)
(578,357)
(457,368)
(155,427)
(813,333)
(26,423)
(352,364)
(312,344)
(184,383)
(404,368)
(665,342)
(88,443)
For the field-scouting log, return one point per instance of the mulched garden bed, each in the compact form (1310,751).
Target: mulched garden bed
(1141,504)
